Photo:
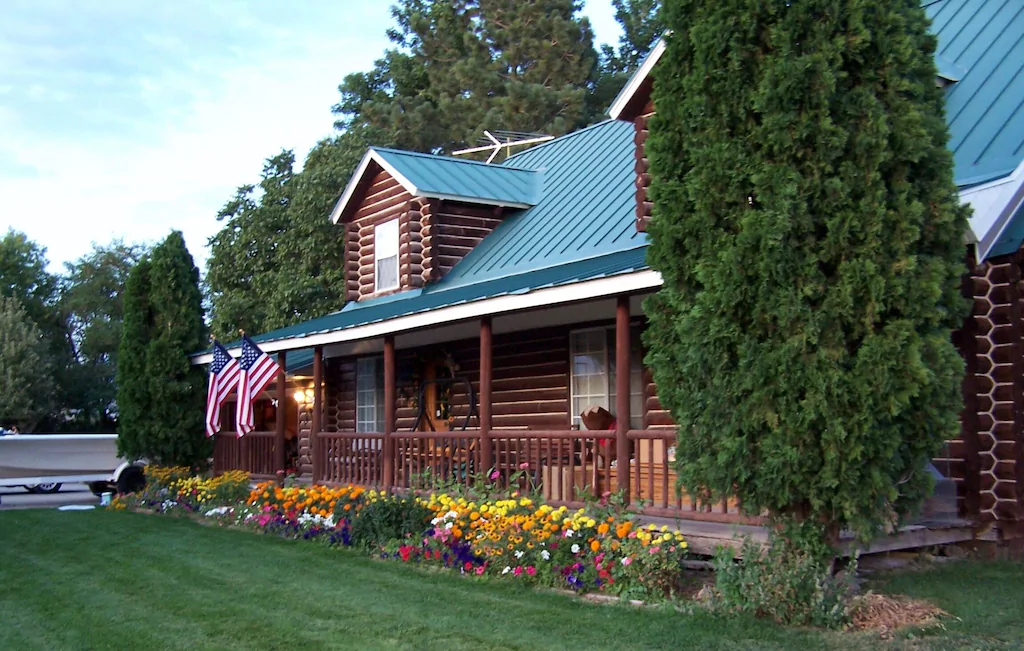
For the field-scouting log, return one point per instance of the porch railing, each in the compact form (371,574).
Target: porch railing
(253,453)
(566,467)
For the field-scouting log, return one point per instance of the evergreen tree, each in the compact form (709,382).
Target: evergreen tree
(810,238)
(133,428)
(641,29)
(27,389)
(163,406)
(462,67)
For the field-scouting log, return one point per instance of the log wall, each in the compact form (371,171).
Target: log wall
(641,125)
(433,235)
(383,201)
(530,387)
(987,460)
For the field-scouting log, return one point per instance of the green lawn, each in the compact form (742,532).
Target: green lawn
(103,580)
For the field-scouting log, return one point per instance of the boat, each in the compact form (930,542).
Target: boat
(30,459)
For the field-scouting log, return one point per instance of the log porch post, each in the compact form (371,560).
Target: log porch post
(486,374)
(318,405)
(389,411)
(282,413)
(622,371)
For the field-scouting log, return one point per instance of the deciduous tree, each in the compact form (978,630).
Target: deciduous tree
(27,388)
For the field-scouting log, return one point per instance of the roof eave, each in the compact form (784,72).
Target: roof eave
(371,156)
(629,91)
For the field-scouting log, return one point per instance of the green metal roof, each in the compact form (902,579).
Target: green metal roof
(438,296)
(473,181)
(582,228)
(587,207)
(981,42)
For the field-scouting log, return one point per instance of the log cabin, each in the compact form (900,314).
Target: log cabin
(490,306)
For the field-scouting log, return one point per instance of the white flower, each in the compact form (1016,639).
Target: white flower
(435,521)
(506,570)
(569,533)
(546,555)
(220,510)
(575,549)
(520,553)
(451,514)
(448,525)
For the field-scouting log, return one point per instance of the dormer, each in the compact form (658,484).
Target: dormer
(410,217)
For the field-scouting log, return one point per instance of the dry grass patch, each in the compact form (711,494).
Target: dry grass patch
(886,614)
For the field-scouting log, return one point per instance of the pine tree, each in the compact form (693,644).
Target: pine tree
(161,394)
(462,67)
(810,238)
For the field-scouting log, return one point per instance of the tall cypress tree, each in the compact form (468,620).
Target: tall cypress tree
(132,381)
(162,416)
(809,234)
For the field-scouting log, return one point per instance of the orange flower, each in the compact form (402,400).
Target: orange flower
(603,528)
(595,546)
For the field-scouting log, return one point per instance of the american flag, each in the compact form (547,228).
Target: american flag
(258,370)
(224,373)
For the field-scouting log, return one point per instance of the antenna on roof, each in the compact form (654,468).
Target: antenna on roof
(511,138)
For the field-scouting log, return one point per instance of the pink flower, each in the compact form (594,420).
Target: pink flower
(531,570)
(524,465)
(599,558)
(495,475)
(517,571)
(480,570)
(655,550)
(627,560)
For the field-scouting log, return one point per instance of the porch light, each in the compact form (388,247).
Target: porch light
(304,396)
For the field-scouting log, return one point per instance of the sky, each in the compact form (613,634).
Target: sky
(129,118)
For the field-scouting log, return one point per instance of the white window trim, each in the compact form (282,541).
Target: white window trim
(377,241)
(574,418)
(378,426)
(609,378)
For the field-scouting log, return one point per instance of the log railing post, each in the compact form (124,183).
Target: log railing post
(622,372)
(389,412)
(282,411)
(486,358)
(317,419)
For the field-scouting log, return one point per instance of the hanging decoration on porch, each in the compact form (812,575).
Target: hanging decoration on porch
(257,371)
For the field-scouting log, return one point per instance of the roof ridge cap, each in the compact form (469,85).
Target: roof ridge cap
(450,159)
(560,138)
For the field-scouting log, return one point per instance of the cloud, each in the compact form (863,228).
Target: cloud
(127,119)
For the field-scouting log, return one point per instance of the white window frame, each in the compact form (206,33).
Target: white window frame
(369,369)
(385,246)
(609,377)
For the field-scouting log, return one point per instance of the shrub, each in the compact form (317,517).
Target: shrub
(384,520)
(789,581)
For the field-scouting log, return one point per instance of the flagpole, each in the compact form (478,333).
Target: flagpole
(243,443)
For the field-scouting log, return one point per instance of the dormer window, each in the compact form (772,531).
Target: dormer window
(385,256)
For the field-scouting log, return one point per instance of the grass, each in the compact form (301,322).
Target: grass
(105,580)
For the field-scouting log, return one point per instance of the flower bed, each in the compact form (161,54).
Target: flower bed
(514,537)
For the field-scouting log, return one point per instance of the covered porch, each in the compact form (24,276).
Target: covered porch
(493,399)
(496,399)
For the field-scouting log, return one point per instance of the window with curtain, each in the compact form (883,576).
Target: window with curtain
(592,373)
(370,394)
